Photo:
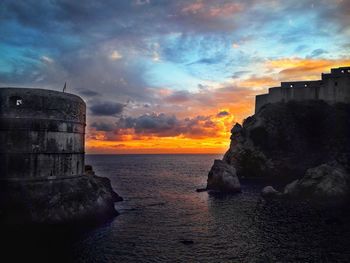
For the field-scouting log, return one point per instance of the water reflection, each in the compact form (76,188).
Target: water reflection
(163,219)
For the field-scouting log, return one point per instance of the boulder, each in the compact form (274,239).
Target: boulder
(324,182)
(270,192)
(290,189)
(74,200)
(89,170)
(222,178)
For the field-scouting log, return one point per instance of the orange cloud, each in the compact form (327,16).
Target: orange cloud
(258,83)
(199,121)
(155,134)
(301,69)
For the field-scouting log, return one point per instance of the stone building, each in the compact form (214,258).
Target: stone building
(42,176)
(333,87)
(41,134)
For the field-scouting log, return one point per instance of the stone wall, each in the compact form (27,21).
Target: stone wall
(334,87)
(41,134)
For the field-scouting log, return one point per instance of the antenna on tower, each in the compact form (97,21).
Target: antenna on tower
(65,86)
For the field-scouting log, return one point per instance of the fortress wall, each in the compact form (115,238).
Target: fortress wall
(328,91)
(261,100)
(303,93)
(280,94)
(301,84)
(334,87)
(41,134)
(342,91)
(275,95)
(287,94)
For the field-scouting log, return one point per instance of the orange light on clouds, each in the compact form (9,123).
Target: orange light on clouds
(213,137)
(303,69)
(234,99)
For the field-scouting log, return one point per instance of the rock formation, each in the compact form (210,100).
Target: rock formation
(322,183)
(284,140)
(82,199)
(222,178)
(270,192)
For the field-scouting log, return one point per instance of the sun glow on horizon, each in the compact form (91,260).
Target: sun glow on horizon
(169,77)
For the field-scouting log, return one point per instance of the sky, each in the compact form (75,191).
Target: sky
(164,76)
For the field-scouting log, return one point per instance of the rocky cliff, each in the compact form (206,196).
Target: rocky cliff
(283,140)
(82,199)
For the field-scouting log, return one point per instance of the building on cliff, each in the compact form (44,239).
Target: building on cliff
(42,176)
(333,87)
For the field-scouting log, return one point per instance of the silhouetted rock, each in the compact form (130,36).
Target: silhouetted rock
(324,182)
(199,190)
(85,198)
(286,139)
(103,181)
(270,192)
(222,178)
(283,140)
(89,170)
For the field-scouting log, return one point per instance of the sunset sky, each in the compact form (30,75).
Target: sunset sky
(168,76)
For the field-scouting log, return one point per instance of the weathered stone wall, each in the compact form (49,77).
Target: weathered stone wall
(334,87)
(261,100)
(41,134)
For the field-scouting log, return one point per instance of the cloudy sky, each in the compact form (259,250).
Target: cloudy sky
(164,76)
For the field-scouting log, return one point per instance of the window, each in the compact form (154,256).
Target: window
(16,101)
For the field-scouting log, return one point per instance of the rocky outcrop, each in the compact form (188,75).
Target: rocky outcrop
(80,199)
(283,141)
(270,192)
(222,178)
(324,182)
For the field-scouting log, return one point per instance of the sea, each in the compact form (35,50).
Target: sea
(164,219)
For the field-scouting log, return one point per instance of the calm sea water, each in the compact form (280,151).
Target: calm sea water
(162,211)
(163,219)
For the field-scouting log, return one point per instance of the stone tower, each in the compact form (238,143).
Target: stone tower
(41,134)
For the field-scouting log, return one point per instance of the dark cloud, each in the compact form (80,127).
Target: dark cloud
(317,52)
(103,126)
(238,74)
(209,61)
(89,93)
(223,114)
(301,48)
(107,108)
(162,125)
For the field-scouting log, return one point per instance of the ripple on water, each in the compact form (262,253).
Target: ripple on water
(163,219)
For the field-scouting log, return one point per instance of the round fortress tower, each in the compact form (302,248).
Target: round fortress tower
(41,134)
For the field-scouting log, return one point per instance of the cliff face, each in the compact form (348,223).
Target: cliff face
(283,140)
(81,199)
